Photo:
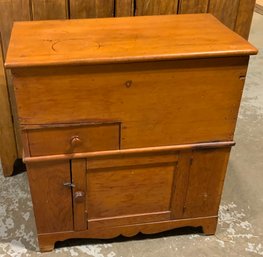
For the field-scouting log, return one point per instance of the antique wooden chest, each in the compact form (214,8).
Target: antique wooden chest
(127,123)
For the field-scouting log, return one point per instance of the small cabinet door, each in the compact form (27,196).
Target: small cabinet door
(51,196)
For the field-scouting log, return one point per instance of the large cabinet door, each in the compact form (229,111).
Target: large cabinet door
(122,190)
(132,189)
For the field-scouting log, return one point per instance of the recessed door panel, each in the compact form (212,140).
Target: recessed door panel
(130,189)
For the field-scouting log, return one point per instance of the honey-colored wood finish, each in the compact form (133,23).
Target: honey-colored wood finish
(79,180)
(142,150)
(181,179)
(128,139)
(77,139)
(160,81)
(147,181)
(122,42)
(18,10)
(52,200)
(208,166)
(46,241)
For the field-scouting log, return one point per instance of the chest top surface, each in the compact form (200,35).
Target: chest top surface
(129,39)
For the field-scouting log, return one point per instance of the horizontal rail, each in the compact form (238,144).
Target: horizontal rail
(93,155)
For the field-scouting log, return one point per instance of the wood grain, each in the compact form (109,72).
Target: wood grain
(124,8)
(51,199)
(140,159)
(6,23)
(181,178)
(128,190)
(111,40)
(208,166)
(169,110)
(193,6)
(244,18)
(156,7)
(226,11)
(161,82)
(21,10)
(91,138)
(129,219)
(91,9)
(14,117)
(47,241)
(18,10)
(49,9)
(11,10)
(142,150)
(8,151)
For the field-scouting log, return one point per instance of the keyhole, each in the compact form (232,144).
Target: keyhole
(128,83)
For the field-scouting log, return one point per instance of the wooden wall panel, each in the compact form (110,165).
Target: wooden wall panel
(193,6)
(124,8)
(10,11)
(155,7)
(225,10)
(91,8)
(8,152)
(6,22)
(14,112)
(21,10)
(244,18)
(49,9)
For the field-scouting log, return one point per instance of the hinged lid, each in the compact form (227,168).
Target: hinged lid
(129,39)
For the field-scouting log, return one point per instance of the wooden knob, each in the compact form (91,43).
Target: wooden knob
(79,196)
(75,141)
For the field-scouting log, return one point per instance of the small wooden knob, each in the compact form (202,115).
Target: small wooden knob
(75,141)
(79,196)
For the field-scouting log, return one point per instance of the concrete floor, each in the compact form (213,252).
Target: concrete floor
(240,227)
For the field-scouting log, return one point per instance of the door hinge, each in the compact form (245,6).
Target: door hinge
(68,184)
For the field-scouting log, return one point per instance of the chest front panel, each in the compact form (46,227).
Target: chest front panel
(156,104)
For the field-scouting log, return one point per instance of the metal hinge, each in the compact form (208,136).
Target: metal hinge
(68,184)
